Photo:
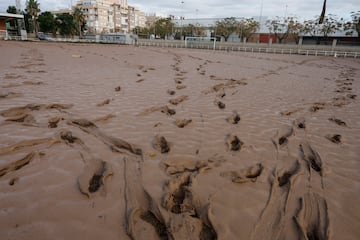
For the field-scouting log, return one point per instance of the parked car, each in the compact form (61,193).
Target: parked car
(42,36)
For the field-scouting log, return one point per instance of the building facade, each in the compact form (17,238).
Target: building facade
(109,16)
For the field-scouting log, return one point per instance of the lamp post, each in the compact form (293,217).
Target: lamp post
(181,19)
(197,23)
(260,18)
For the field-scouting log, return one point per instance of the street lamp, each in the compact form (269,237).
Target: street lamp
(260,18)
(197,23)
(181,19)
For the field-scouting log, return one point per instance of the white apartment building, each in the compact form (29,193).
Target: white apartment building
(107,16)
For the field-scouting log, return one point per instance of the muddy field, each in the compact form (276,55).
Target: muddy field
(123,142)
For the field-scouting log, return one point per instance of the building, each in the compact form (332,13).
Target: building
(109,16)
(12,26)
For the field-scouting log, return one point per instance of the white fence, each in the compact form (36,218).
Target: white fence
(3,34)
(287,49)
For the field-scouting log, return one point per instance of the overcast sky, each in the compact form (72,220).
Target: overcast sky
(303,9)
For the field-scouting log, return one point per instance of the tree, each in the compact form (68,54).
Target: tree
(33,9)
(79,19)
(330,25)
(226,27)
(11,9)
(191,30)
(47,22)
(353,25)
(247,27)
(66,24)
(164,27)
(282,28)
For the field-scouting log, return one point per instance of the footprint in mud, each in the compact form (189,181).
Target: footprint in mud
(312,217)
(164,109)
(171,92)
(234,118)
(338,121)
(335,138)
(14,166)
(233,143)
(311,157)
(22,118)
(220,104)
(174,199)
(168,111)
(351,96)
(181,123)
(180,86)
(13,181)
(68,138)
(190,218)
(175,166)
(317,106)
(290,112)
(281,137)
(230,83)
(179,80)
(176,101)
(245,175)
(103,103)
(94,176)
(284,176)
(53,122)
(221,93)
(161,144)
(300,123)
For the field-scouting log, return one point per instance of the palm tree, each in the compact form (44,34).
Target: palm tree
(32,8)
(79,19)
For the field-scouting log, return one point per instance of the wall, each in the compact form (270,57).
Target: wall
(2,24)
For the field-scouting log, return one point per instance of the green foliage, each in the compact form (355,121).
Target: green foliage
(164,27)
(47,22)
(33,9)
(282,28)
(11,9)
(226,27)
(247,27)
(244,28)
(330,25)
(191,30)
(79,20)
(353,25)
(66,24)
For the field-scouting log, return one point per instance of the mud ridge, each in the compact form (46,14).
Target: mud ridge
(14,166)
(115,144)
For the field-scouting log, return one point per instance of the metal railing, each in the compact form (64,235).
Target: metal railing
(279,49)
